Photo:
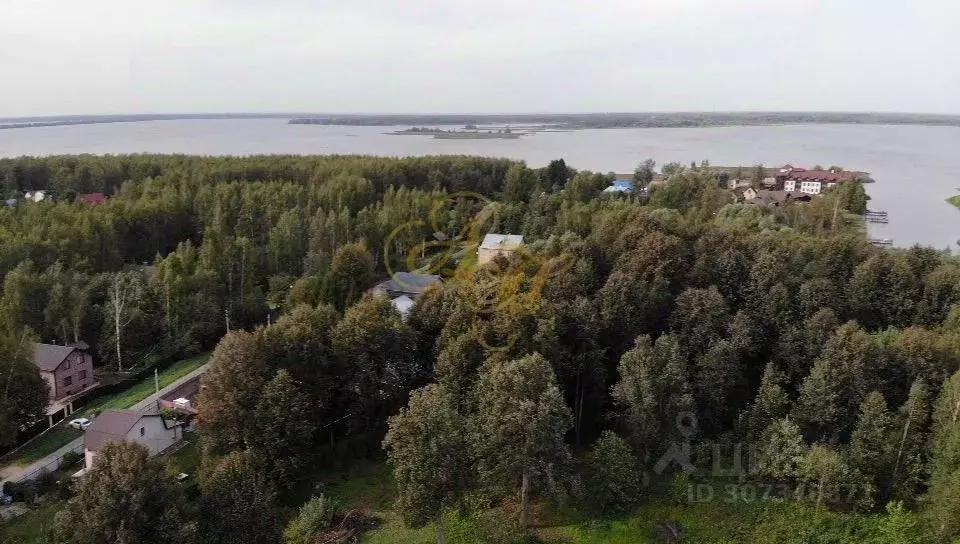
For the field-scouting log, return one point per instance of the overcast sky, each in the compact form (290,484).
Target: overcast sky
(419,56)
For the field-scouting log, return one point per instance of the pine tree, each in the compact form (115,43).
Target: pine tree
(613,475)
(780,449)
(771,403)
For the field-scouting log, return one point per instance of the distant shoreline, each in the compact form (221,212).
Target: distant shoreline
(555,121)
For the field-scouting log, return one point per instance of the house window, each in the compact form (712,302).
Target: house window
(66,364)
(82,375)
(143,431)
(67,381)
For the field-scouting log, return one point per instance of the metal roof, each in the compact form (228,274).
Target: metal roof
(49,356)
(110,426)
(501,241)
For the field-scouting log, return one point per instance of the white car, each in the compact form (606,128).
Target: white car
(80,423)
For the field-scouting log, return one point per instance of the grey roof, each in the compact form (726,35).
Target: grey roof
(408,283)
(110,426)
(49,356)
(501,241)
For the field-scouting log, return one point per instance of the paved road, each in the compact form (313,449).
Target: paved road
(14,472)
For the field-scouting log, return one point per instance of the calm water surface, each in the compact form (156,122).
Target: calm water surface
(916,167)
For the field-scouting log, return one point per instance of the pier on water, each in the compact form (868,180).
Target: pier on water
(876,216)
(881,241)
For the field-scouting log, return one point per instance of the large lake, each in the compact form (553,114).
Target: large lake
(915,167)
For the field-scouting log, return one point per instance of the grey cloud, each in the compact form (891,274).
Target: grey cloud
(116,56)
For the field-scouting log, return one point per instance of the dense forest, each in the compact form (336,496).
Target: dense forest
(636,350)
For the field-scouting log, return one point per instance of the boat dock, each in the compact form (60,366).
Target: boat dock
(881,241)
(876,216)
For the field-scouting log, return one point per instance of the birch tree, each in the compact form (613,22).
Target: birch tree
(122,292)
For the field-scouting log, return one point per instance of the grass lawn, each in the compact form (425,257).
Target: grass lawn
(955,200)
(145,387)
(187,458)
(46,444)
(369,488)
(62,434)
(34,527)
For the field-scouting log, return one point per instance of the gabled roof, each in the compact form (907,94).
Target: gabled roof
(49,356)
(501,241)
(110,426)
(408,283)
(409,280)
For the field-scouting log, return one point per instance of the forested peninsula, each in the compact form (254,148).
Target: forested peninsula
(670,364)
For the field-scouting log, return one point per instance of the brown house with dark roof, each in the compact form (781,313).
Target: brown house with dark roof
(68,370)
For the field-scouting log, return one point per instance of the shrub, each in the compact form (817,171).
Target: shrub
(71,458)
(315,517)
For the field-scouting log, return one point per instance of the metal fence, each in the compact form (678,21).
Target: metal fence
(50,466)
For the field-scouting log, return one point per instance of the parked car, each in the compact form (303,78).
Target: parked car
(80,423)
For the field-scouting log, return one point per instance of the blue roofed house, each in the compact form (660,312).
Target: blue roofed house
(621,185)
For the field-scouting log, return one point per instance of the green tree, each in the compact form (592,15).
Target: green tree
(780,450)
(757,175)
(871,445)
(427,449)
(315,517)
(644,172)
(672,169)
(826,479)
(912,457)
(700,317)
(125,497)
(282,430)
(25,393)
(230,389)
(851,196)
(238,502)
(378,352)
(652,392)
(519,426)
(718,386)
(613,476)
(518,183)
(771,402)
(818,407)
(943,500)
(842,377)
(351,271)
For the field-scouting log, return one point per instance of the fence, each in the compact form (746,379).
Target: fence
(50,466)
